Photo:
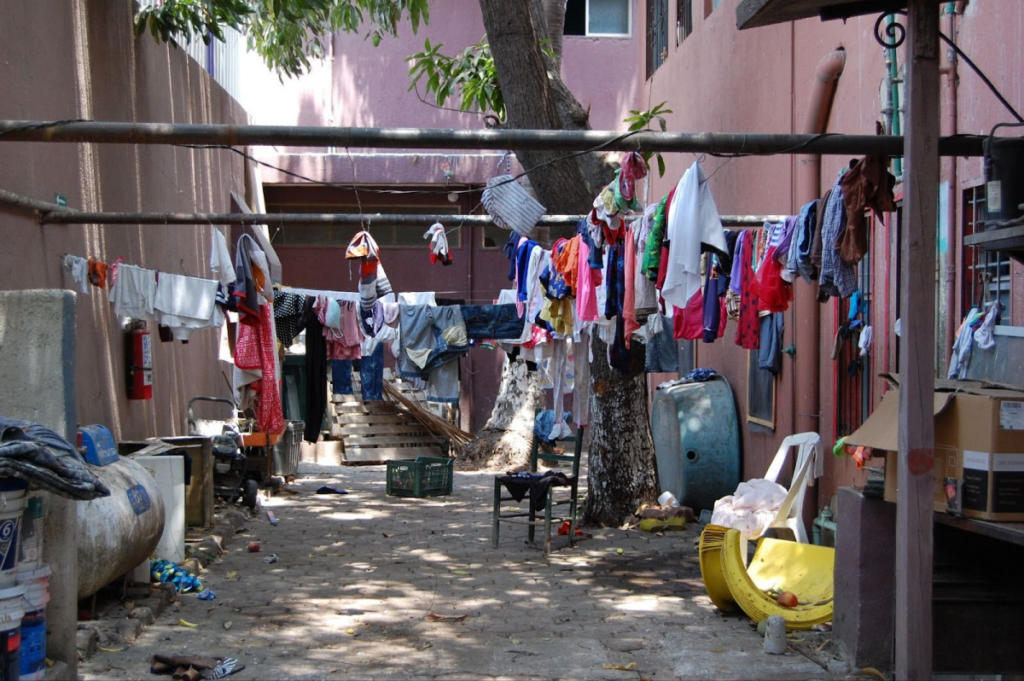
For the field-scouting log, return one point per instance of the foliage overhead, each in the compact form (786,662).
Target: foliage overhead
(642,120)
(287,34)
(471,72)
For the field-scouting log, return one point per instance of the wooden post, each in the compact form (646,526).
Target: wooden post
(917,350)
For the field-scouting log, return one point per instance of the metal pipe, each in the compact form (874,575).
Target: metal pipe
(807,365)
(26,204)
(952,242)
(82,218)
(52,214)
(894,94)
(807,383)
(106,132)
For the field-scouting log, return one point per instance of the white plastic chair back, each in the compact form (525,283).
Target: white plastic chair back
(790,515)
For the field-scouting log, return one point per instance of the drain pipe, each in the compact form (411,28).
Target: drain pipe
(807,381)
(952,242)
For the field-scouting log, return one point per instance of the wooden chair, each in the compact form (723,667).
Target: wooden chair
(555,495)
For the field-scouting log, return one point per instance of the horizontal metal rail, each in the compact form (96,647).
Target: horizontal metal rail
(53,214)
(109,132)
(449,220)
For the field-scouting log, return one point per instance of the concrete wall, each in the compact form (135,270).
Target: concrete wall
(66,59)
(723,80)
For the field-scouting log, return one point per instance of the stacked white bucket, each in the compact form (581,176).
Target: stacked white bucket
(24,583)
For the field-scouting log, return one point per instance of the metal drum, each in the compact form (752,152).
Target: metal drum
(697,442)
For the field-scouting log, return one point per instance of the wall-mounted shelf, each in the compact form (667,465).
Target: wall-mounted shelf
(1009,240)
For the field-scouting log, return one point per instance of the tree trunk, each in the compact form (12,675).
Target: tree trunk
(554,19)
(505,440)
(536,98)
(621,470)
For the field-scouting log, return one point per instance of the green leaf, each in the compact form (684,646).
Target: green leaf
(661,166)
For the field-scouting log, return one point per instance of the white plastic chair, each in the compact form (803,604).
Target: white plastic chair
(790,515)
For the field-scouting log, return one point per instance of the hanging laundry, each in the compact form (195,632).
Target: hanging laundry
(961,357)
(748,331)
(662,351)
(341,327)
(373,281)
(615,278)
(438,246)
(715,286)
(511,205)
(250,279)
(769,354)
(799,260)
(316,373)
(255,351)
(656,238)
(220,258)
(97,273)
(692,223)
(288,316)
(78,268)
(184,304)
(633,168)
(646,295)
(772,291)
(867,185)
(818,236)
(134,292)
(371,375)
(629,294)
(838,278)
(688,322)
(983,336)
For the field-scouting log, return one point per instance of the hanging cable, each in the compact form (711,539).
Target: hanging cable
(960,53)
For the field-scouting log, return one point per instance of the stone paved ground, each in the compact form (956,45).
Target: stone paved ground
(359,574)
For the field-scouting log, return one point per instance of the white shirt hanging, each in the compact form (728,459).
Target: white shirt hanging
(692,220)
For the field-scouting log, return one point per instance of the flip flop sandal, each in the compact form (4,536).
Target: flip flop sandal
(227,667)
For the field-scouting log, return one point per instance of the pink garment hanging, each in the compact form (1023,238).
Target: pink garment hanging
(629,299)
(587,281)
(688,323)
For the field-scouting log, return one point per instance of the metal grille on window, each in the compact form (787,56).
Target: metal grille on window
(657,34)
(986,273)
(853,371)
(684,20)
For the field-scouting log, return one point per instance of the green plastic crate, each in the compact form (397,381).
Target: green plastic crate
(427,476)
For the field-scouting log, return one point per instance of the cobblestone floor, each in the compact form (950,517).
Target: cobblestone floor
(361,576)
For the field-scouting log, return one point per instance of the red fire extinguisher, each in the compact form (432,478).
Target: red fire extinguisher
(140,363)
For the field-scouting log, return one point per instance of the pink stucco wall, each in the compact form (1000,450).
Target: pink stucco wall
(759,80)
(86,63)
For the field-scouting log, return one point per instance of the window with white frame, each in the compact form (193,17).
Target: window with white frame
(598,17)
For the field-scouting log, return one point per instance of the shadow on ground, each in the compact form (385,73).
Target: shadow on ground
(371,586)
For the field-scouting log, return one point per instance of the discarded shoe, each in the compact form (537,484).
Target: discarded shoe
(330,490)
(227,667)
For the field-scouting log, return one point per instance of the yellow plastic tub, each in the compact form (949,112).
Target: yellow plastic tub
(710,549)
(778,565)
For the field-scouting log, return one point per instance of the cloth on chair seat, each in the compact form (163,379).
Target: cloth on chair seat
(534,484)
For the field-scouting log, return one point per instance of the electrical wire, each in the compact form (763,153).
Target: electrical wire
(974,67)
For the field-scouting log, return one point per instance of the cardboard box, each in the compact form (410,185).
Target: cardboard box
(979,449)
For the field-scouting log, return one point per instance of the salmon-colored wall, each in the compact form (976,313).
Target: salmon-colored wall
(721,79)
(63,59)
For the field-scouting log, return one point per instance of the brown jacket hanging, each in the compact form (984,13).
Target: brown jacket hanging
(868,184)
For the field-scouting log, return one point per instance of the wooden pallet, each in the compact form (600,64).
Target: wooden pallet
(375,432)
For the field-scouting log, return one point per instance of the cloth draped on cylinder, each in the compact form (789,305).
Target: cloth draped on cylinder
(40,456)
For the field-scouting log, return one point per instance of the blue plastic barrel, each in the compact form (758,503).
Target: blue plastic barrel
(697,442)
